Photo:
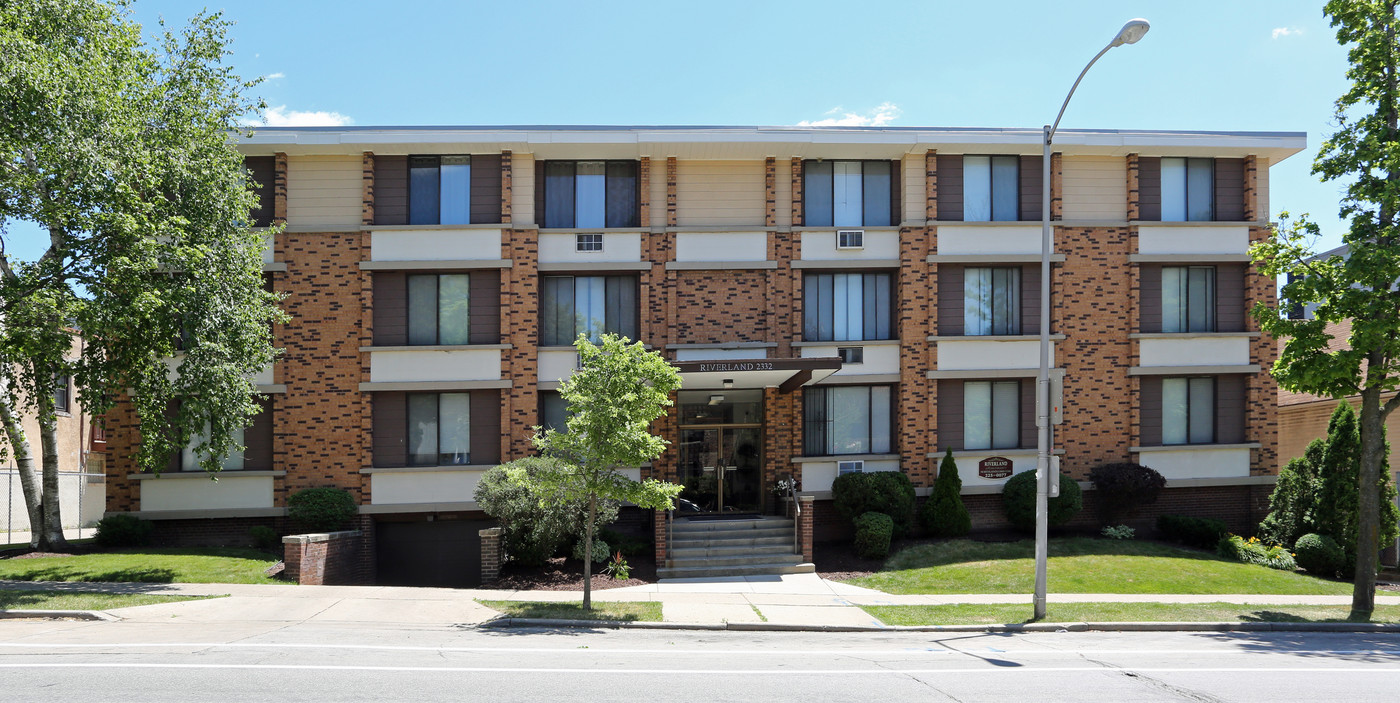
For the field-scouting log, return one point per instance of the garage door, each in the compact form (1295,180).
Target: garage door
(438,553)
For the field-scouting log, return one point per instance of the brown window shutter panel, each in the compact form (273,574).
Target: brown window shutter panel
(389,431)
(486,189)
(896,193)
(950,415)
(1229,190)
(1032,180)
(1025,391)
(391,190)
(539,194)
(1150,408)
(257,439)
(1150,188)
(486,427)
(950,187)
(263,170)
(390,308)
(1229,408)
(485,310)
(1230,306)
(1150,298)
(950,299)
(1030,299)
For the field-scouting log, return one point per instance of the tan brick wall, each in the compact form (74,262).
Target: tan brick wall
(519,328)
(367,188)
(916,420)
(721,306)
(1261,392)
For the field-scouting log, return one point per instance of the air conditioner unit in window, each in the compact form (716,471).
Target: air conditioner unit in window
(850,239)
(851,355)
(850,467)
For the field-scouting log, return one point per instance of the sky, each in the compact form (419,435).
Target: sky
(1240,65)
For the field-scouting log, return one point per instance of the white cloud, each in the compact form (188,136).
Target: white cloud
(877,117)
(274,76)
(280,116)
(1286,32)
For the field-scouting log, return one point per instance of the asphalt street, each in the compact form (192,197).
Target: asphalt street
(152,661)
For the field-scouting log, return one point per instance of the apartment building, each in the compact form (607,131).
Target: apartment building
(835,299)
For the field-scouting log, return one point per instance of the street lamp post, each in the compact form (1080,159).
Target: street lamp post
(1129,34)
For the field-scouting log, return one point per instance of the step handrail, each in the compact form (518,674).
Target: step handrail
(796,519)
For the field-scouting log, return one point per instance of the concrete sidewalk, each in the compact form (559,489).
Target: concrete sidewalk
(794,600)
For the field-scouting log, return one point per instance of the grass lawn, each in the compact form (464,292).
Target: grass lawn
(984,614)
(82,600)
(602,610)
(1083,565)
(147,565)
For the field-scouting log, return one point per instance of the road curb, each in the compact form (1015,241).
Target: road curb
(56,614)
(1361,627)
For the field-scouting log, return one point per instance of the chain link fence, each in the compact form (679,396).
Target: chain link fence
(82,498)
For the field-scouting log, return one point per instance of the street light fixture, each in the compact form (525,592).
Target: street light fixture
(1129,34)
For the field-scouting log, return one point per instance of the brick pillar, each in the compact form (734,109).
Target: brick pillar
(1057,179)
(915,307)
(1251,189)
(644,192)
(367,188)
(520,303)
(659,536)
(804,526)
(490,554)
(279,189)
(931,185)
(1134,191)
(797,192)
(1261,395)
(670,191)
(507,187)
(770,192)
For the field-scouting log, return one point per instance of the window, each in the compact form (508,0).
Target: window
(1188,299)
(851,355)
(589,194)
(62,397)
(991,414)
(589,242)
(439,429)
(439,190)
(850,239)
(1188,410)
(850,467)
(848,193)
(554,412)
(846,420)
(189,458)
(438,309)
(992,301)
(991,188)
(262,170)
(847,306)
(591,305)
(1188,190)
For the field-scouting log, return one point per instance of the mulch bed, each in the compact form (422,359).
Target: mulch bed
(561,574)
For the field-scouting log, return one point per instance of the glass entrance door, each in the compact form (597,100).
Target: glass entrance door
(721,451)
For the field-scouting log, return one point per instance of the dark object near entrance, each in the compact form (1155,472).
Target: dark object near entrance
(1201,532)
(873,535)
(123,531)
(1018,498)
(321,509)
(888,492)
(1319,555)
(1123,487)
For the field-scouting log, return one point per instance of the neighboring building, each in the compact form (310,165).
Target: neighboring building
(81,442)
(836,299)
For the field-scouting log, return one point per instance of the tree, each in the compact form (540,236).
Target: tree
(944,515)
(1336,504)
(612,399)
(121,152)
(1359,287)
(1293,497)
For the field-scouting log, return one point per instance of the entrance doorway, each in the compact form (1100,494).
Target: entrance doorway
(721,450)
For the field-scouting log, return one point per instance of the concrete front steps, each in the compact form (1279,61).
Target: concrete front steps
(748,547)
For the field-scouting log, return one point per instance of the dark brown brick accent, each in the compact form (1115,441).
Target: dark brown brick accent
(670,191)
(770,192)
(644,192)
(507,185)
(797,192)
(520,305)
(1251,189)
(1134,193)
(279,189)
(1057,186)
(916,309)
(931,185)
(367,188)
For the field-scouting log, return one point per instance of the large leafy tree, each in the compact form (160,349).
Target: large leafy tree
(1359,287)
(612,399)
(121,152)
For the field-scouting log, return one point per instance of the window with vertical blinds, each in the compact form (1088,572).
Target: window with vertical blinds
(1188,299)
(991,414)
(439,309)
(439,429)
(1188,190)
(1188,410)
(992,301)
(847,420)
(439,190)
(991,188)
(848,193)
(847,306)
(589,305)
(591,194)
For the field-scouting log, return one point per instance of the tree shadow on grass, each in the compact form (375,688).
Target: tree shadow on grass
(128,575)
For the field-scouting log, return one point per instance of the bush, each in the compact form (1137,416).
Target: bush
(265,538)
(888,492)
(1319,555)
(873,532)
(321,509)
(601,551)
(943,514)
(1252,551)
(1201,532)
(1018,498)
(116,531)
(1123,487)
(627,544)
(536,525)
(1118,532)
(1293,497)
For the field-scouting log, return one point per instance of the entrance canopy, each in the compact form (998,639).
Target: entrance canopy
(784,374)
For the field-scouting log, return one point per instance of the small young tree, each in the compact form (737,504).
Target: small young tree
(612,398)
(944,514)
(1293,497)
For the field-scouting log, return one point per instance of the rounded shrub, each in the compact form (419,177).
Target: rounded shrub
(321,509)
(873,532)
(115,531)
(1319,555)
(536,524)
(888,492)
(1200,532)
(1018,499)
(1123,487)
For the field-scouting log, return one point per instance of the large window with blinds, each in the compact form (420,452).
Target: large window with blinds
(590,194)
(1188,410)
(992,301)
(1188,299)
(439,309)
(847,306)
(991,414)
(439,429)
(991,188)
(589,305)
(1188,190)
(439,190)
(847,420)
(848,193)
